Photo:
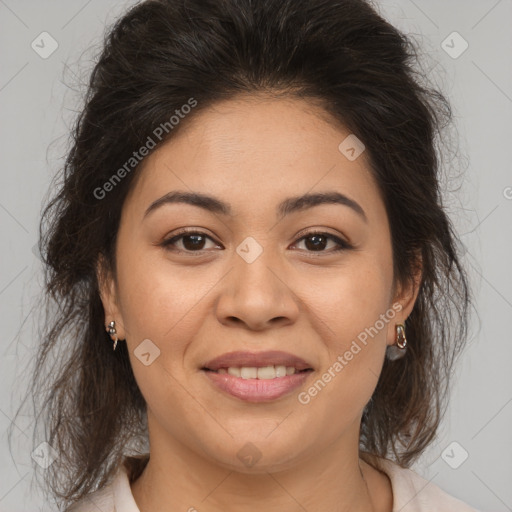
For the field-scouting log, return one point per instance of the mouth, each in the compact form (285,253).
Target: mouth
(257,377)
(261,372)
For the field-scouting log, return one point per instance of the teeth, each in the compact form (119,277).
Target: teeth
(263,373)
(280,371)
(234,371)
(249,372)
(266,372)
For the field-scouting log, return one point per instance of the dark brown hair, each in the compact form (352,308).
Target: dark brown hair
(157,57)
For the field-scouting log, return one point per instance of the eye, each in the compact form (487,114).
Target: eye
(189,241)
(196,241)
(318,241)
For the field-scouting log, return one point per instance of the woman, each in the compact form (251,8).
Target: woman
(251,218)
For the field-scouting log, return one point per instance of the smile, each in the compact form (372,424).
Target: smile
(262,373)
(257,376)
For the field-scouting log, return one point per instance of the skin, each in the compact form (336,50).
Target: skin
(253,152)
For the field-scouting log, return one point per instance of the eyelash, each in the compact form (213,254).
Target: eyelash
(342,244)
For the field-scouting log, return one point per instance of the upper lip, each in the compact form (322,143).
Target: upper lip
(257,359)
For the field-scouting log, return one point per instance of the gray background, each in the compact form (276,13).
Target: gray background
(38,99)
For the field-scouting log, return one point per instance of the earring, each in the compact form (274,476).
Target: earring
(398,350)
(401,340)
(111,329)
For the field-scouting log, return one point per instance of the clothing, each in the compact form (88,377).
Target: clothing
(411,493)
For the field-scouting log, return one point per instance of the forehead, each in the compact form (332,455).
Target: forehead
(254,151)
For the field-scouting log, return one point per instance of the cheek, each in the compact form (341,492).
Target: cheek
(352,299)
(158,300)
(167,305)
(355,305)
(158,304)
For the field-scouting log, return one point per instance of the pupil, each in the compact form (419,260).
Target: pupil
(198,242)
(316,239)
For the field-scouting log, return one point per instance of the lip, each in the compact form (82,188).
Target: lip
(258,360)
(257,390)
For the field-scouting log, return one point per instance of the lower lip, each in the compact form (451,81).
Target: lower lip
(257,390)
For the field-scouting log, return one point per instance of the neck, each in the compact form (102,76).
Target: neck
(178,479)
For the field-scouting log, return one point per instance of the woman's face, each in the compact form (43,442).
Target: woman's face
(254,278)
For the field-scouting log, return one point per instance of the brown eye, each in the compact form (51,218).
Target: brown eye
(193,241)
(318,242)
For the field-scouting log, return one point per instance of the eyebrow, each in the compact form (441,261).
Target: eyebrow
(286,207)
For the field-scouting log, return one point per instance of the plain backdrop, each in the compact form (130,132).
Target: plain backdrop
(467,45)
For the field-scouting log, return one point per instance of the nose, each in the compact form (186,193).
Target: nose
(257,295)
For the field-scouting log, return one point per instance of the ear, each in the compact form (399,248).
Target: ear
(405,296)
(109,297)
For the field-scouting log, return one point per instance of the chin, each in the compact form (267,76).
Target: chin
(250,453)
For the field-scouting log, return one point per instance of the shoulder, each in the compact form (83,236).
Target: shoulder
(108,498)
(102,499)
(117,495)
(412,493)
